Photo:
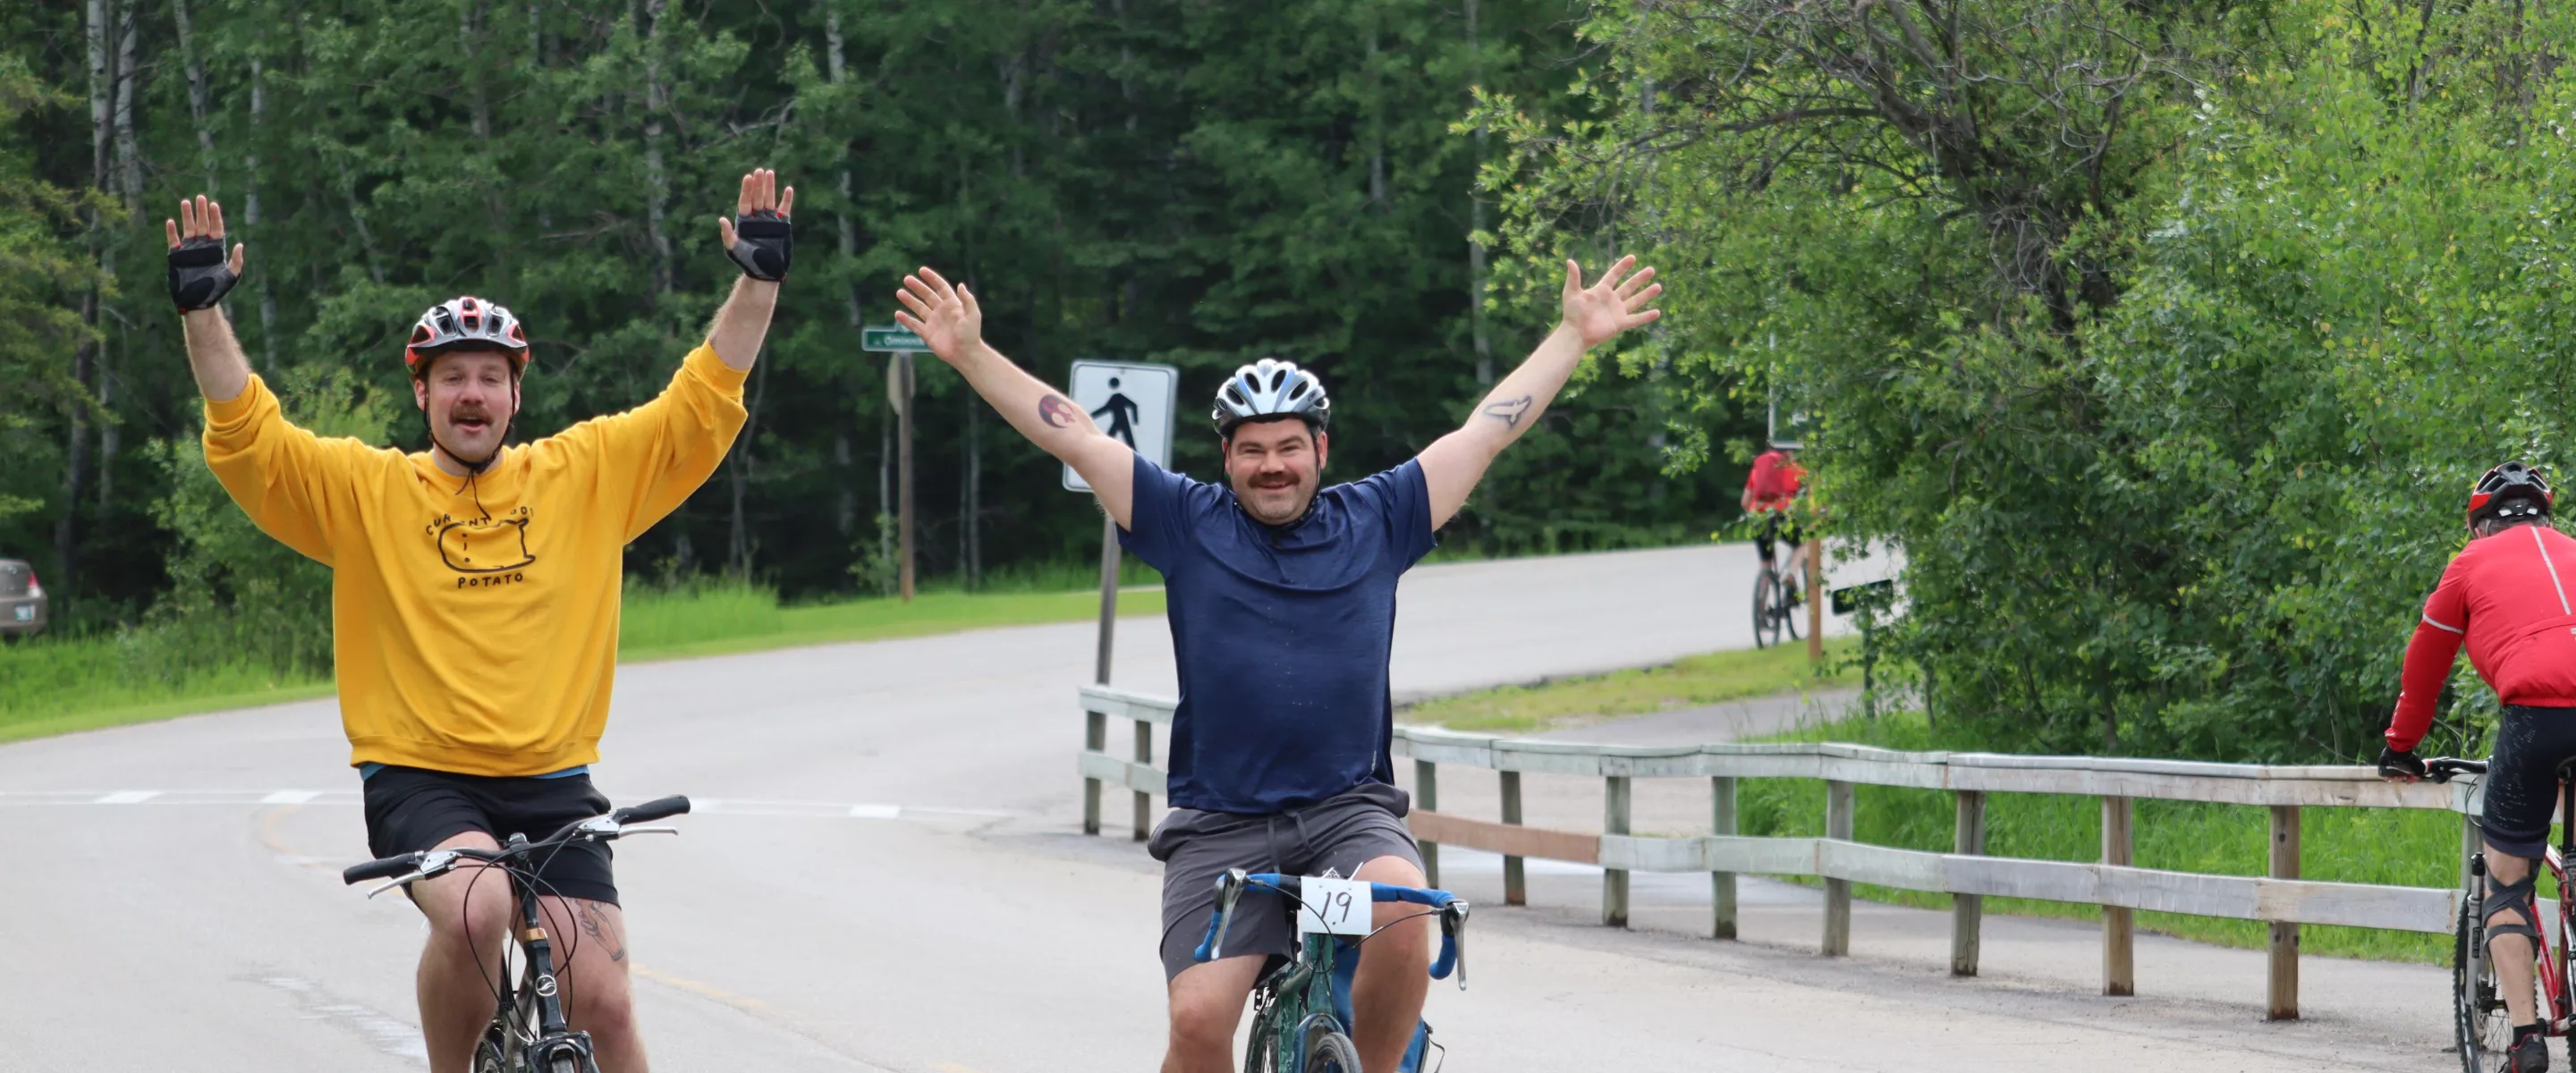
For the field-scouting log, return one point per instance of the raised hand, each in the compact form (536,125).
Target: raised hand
(944,316)
(759,237)
(1603,310)
(199,271)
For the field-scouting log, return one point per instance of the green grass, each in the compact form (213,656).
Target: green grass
(1697,680)
(2405,847)
(728,619)
(57,685)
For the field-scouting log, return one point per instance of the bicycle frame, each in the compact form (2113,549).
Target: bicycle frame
(550,1045)
(554,1037)
(1310,996)
(2550,957)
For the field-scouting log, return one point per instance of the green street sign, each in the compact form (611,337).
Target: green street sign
(889,339)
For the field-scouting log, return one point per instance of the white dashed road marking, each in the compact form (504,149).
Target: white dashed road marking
(702,806)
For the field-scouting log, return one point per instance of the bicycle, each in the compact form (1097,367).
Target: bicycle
(1776,598)
(2484,1029)
(1301,1009)
(528,1033)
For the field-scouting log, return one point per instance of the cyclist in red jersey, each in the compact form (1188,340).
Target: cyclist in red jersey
(2506,596)
(1771,486)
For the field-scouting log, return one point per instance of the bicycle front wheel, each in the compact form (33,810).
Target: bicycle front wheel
(1261,1052)
(1332,1052)
(2485,1030)
(1766,616)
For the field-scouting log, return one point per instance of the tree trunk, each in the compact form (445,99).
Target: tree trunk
(1376,128)
(196,91)
(76,439)
(470,35)
(845,513)
(250,217)
(970,498)
(657,180)
(1476,214)
(840,74)
(129,186)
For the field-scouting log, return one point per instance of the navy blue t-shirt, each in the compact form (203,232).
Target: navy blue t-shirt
(1281,634)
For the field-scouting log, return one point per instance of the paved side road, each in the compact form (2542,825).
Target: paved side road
(887,876)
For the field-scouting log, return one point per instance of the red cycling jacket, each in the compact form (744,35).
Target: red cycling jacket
(1774,480)
(2507,596)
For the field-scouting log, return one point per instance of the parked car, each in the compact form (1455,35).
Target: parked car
(22,601)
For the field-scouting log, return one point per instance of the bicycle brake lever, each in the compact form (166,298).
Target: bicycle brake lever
(397,883)
(624,831)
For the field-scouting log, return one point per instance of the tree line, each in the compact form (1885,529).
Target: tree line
(1198,183)
(2165,338)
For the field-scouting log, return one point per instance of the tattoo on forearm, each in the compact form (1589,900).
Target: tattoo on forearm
(1057,413)
(1508,411)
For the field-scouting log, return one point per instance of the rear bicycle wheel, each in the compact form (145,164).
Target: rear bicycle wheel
(2485,1030)
(1766,616)
(1332,1052)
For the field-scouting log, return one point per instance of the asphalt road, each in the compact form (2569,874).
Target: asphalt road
(886,872)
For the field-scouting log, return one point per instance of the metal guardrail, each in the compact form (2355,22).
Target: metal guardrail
(2280,898)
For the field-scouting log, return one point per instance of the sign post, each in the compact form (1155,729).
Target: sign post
(900,346)
(1134,403)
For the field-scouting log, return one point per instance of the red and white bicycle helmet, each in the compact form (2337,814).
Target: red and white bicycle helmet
(2511,490)
(465,323)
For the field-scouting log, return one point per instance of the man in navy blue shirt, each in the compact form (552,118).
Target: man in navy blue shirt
(1281,597)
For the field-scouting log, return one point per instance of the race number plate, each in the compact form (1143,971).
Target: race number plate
(1334,907)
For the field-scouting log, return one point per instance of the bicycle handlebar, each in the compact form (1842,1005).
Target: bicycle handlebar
(658,808)
(381,869)
(1452,910)
(2446,768)
(422,864)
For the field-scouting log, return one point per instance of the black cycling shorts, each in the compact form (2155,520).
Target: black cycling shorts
(1776,529)
(415,809)
(2522,777)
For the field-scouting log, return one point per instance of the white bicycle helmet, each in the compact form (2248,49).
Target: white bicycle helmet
(1271,388)
(463,322)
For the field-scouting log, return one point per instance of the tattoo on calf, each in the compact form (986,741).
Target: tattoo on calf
(1509,411)
(1057,413)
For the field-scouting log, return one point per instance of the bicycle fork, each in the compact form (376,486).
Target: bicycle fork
(555,1038)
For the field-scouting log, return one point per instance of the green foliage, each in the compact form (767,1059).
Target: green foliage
(1705,679)
(1194,183)
(2164,339)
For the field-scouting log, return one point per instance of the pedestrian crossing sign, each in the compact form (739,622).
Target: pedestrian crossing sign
(1130,401)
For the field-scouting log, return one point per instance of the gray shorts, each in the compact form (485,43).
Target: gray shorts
(1331,837)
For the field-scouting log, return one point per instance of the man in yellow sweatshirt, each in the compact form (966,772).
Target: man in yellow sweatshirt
(475,596)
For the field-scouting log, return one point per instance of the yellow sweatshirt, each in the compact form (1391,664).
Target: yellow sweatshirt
(475,626)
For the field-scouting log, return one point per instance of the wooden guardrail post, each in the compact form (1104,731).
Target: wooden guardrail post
(1515,875)
(1144,801)
(1426,796)
(1095,737)
(1721,821)
(1968,911)
(2119,925)
(2283,976)
(1838,825)
(1615,804)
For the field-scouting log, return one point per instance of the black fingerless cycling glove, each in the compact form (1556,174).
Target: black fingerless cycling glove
(2392,762)
(763,243)
(198,275)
